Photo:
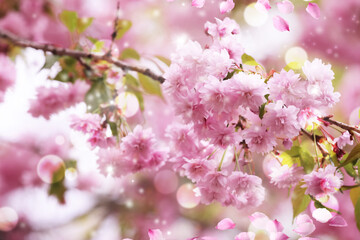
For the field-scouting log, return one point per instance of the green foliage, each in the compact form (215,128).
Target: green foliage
(122,26)
(113,128)
(98,94)
(354,195)
(58,190)
(262,110)
(150,86)
(133,86)
(65,76)
(318,204)
(71,20)
(293,66)
(130,53)
(164,60)
(50,60)
(300,201)
(357,214)
(354,155)
(248,60)
(298,155)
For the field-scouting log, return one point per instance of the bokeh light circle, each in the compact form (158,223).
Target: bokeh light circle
(8,219)
(254,17)
(296,55)
(128,103)
(51,169)
(186,196)
(166,182)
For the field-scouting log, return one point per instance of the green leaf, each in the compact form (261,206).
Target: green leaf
(229,75)
(130,53)
(164,60)
(122,27)
(354,155)
(354,195)
(131,81)
(357,214)
(113,128)
(248,60)
(58,190)
(97,95)
(64,76)
(69,19)
(306,160)
(50,60)
(84,23)
(150,86)
(359,113)
(262,110)
(292,66)
(300,201)
(140,98)
(98,46)
(92,40)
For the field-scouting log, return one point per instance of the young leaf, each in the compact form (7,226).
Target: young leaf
(50,60)
(166,60)
(97,95)
(292,66)
(130,53)
(357,214)
(306,160)
(122,27)
(299,200)
(64,76)
(262,110)
(69,19)
(354,195)
(248,60)
(353,156)
(84,23)
(113,128)
(130,81)
(150,86)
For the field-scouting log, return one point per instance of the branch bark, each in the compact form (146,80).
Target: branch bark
(340,124)
(78,54)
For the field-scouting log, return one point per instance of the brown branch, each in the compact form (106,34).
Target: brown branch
(78,54)
(340,124)
(311,136)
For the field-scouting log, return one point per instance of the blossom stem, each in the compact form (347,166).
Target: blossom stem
(340,124)
(15,40)
(222,160)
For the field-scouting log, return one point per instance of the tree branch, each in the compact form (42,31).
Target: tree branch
(340,124)
(78,54)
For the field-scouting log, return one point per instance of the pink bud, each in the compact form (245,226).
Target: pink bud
(225,224)
(226,6)
(198,3)
(304,225)
(285,6)
(280,24)
(314,10)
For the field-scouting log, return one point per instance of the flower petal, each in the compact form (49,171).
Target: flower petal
(225,224)
(226,6)
(198,3)
(338,221)
(245,236)
(314,10)
(155,234)
(280,24)
(285,6)
(322,215)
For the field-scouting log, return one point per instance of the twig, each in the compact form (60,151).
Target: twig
(340,124)
(78,54)
(314,139)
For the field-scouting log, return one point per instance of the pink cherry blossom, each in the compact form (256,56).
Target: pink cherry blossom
(304,225)
(259,139)
(280,24)
(155,234)
(344,139)
(86,123)
(225,224)
(285,176)
(264,3)
(323,181)
(314,10)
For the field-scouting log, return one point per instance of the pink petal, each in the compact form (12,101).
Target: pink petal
(261,221)
(308,238)
(198,3)
(245,236)
(278,236)
(285,6)
(265,3)
(155,234)
(225,224)
(226,6)
(338,221)
(314,10)
(280,24)
(304,225)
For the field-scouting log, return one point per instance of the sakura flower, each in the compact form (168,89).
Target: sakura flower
(250,89)
(344,139)
(225,224)
(86,123)
(216,63)
(7,74)
(196,169)
(324,181)
(285,176)
(222,28)
(280,24)
(314,10)
(259,139)
(285,6)
(245,236)
(273,228)
(282,120)
(304,225)
(111,163)
(226,6)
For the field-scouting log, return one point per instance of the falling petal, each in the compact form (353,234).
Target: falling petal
(314,10)
(338,221)
(198,3)
(226,6)
(264,4)
(280,24)
(245,236)
(285,6)
(225,224)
